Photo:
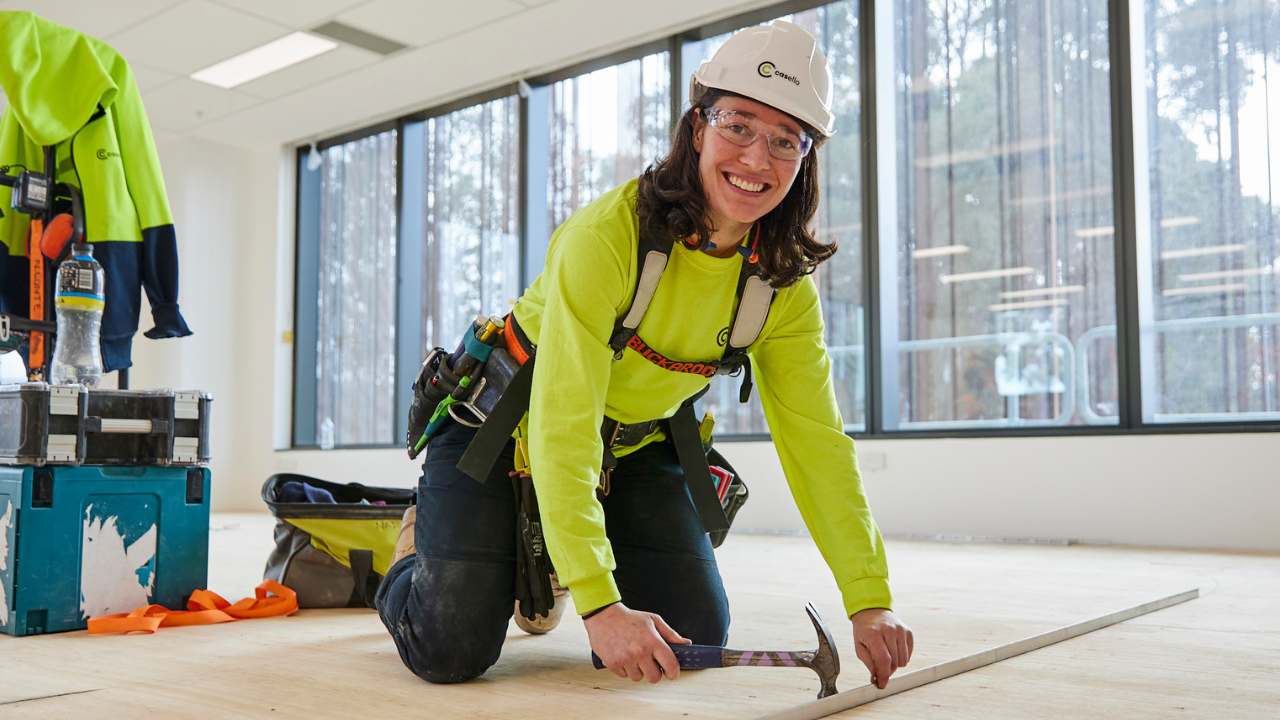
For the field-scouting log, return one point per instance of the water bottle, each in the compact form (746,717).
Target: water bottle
(79,300)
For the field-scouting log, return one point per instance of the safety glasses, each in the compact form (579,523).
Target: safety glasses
(742,128)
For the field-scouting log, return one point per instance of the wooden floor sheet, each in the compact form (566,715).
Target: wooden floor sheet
(1215,657)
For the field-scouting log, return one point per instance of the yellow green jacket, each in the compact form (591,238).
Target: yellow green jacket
(569,312)
(77,93)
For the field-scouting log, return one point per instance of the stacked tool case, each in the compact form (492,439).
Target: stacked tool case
(104,505)
(44,424)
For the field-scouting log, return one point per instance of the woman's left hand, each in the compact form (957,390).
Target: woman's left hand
(883,642)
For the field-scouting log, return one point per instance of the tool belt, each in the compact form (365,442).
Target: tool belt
(497,405)
(508,402)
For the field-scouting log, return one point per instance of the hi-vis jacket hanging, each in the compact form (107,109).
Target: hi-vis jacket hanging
(77,94)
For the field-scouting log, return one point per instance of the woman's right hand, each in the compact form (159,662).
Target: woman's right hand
(633,644)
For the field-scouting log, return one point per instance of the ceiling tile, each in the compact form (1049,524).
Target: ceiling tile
(297,14)
(184,103)
(163,137)
(415,22)
(97,19)
(148,78)
(344,59)
(193,36)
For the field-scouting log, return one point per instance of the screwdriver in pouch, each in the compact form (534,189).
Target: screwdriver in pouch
(476,346)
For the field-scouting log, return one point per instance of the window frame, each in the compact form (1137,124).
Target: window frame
(534,90)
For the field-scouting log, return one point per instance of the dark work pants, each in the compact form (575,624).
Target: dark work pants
(448,608)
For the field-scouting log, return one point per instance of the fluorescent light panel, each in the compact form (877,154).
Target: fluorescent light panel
(985,275)
(1180,221)
(1191,277)
(1029,305)
(1096,231)
(1205,290)
(275,55)
(1197,252)
(1061,290)
(1070,195)
(939,251)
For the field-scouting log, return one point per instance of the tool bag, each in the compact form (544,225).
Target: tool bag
(733,500)
(334,554)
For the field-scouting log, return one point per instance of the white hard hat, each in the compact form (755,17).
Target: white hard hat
(779,65)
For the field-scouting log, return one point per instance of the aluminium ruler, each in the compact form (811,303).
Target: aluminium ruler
(870,693)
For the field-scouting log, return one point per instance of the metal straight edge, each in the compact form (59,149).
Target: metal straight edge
(870,693)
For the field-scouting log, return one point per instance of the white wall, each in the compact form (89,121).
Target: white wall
(225,208)
(234,213)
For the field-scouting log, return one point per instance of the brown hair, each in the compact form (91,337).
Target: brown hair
(672,205)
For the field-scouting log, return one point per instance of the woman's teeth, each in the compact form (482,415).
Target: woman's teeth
(748,186)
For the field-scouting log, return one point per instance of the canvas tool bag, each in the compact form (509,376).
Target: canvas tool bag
(334,554)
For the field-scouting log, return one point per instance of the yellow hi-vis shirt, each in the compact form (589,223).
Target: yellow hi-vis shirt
(569,313)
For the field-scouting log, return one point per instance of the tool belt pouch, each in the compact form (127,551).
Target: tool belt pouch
(474,403)
(533,563)
(499,369)
(333,554)
(733,500)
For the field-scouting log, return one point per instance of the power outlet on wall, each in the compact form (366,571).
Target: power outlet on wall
(872,461)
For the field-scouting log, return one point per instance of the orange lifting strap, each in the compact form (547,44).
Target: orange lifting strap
(204,608)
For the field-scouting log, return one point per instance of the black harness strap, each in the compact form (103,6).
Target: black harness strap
(496,431)
(683,430)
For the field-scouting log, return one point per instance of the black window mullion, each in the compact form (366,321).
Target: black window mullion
(874,391)
(1128,359)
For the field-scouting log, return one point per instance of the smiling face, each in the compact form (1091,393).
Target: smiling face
(742,184)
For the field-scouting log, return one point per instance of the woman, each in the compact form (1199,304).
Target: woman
(740,186)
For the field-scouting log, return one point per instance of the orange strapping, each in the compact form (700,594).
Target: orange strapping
(35,308)
(513,343)
(204,608)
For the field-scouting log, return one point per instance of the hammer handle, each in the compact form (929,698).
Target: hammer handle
(691,657)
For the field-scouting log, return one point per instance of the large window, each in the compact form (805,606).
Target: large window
(1053,216)
(466,215)
(839,218)
(997,233)
(606,127)
(1207,100)
(355,301)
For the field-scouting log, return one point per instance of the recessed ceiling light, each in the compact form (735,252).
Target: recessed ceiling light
(985,275)
(939,251)
(1096,231)
(275,55)
(1060,290)
(1205,290)
(1029,305)
(1197,252)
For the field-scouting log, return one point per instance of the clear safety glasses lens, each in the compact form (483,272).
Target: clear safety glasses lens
(743,129)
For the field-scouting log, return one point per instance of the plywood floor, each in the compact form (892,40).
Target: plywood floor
(1215,657)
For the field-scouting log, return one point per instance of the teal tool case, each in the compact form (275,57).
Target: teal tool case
(77,542)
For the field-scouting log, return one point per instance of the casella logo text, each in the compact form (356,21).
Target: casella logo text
(104,154)
(766,69)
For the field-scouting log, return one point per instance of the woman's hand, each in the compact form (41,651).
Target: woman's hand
(634,644)
(883,642)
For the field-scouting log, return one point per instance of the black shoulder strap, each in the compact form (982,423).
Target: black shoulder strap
(494,433)
(755,298)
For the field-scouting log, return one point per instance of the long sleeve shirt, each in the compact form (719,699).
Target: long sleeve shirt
(569,313)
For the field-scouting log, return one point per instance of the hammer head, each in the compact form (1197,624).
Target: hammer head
(826,661)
